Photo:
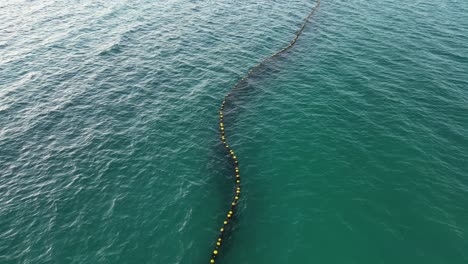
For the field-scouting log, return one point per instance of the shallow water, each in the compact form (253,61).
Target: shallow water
(353,145)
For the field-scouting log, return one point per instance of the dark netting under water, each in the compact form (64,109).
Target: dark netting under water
(232,154)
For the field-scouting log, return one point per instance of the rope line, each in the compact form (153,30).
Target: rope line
(231,152)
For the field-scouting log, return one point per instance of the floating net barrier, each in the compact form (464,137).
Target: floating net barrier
(232,154)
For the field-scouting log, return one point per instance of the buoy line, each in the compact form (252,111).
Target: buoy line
(231,152)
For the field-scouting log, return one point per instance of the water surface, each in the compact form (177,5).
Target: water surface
(353,144)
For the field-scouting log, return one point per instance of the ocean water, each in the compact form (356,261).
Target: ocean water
(353,145)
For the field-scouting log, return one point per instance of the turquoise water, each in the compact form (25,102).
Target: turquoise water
(353,145)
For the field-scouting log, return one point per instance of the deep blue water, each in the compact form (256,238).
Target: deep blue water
(353,144)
